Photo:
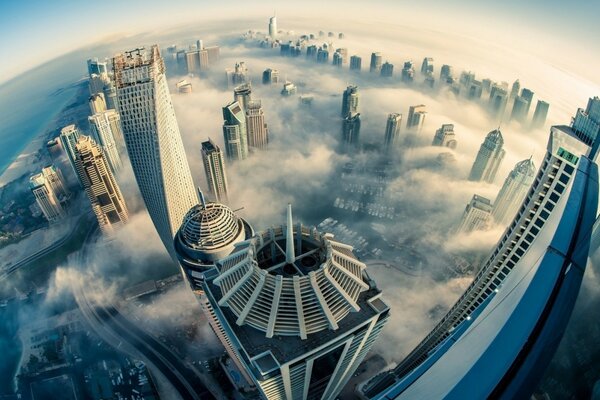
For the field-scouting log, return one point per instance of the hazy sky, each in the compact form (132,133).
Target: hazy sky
(565,33)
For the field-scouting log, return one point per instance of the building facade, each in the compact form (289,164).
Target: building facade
(258,132)
(350,100)
(107,132)
(234,132)
(214,168)
(445,137)
(416,118)
(477,215)
(392,130)
(513,191)
(489,158)
(46,198)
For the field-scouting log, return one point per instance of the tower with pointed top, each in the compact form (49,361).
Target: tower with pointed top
(489,158)
(273,27)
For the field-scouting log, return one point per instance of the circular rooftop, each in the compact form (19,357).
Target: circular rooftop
(278,294)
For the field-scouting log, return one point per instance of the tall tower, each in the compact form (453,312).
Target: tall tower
(488,158)
(477,215)
(56,181)
(100,186)
(297,321)
(214,167)
(445,137)
(258,132)
(243,94)
(69,135)
(540,114)
(350,101)
(376,60)
(351,131)
(416,118)
(355,63)
(46,197)
(392,130)
(106,130)
(519,111)
(234,132)
(513,191)
(273,27)
(153,140)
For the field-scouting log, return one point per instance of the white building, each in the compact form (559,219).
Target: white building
(513,191)
(488,158)
(107,132)
(258,132)
(153,140)
(477,215)
(46,198)
(214,167)
(273,27)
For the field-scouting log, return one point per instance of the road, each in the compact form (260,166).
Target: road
(116,329)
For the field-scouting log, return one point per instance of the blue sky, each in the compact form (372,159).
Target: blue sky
(34,31)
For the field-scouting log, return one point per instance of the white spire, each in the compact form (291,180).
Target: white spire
(290,256)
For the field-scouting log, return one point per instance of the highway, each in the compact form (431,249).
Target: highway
(116,329)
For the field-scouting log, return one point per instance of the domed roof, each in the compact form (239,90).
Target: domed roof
(210,226)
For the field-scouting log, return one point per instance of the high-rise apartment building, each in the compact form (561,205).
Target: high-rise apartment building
(107,132)
(338,60)
(416,118)
(273,27)
(392,130)
(446,73)
(243,95)
(234,132)
(387,70)
(350,100)
(497,103)
(355,63)
(527,95)
(519,111)
(270,76)
(513,191)
(408,72)
(46,195)
(477,215)
(540,114)
(427,66)
(351,131)
(97,103)
(214,167)
(376,61)
(153,140)
(445,137)
(514,91)
(199,59)
(489,158)
(69,135)
(294,308)
(100,186)
(322,56)
(256,127)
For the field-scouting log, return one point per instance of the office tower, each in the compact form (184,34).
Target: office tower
(519,111)
(488,158)
(513,191)
(96,67)
(234,132)
(46,198)
(56,181)
(294,308)
(192,61)
(106,131)
(445,137)
(181,58)
(514,91)
(477,215)
(338,60)
(100,185)
(273,27)
(527,95)
(408,72)
(69,135)
(466,77)
(243,95)
(183,87)
(238,75)
(97,103)
(258,132)
(427,66)
(498,102)
(475,90)
(512,316)
(540,114)
(270,76)
(387,70)
(355,63)
(416,118)
(311,52)
(153,140)
(197,59)
(446,72)
(322,56)
(392,130)
(350,101)
(351,131)
(375,62)
(288,89)
(214,168)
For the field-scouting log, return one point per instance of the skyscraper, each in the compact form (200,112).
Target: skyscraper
(387,70)
(540,114)
(322,56)
(214,167)
(153,140)
(46,197)
(69,135)
(513,191)
(587,122)
(355,63)
(288,89)
(445,137)
(408,72)
(234,132)
(243,94)
(498,102)
(427,66)
(97,103)
(375,62)
(416,118)
(519,111)
(488,158)
(445,73)
(514,91)
(106,131)
(100,186)
(392,130)
(527,95)
(298,322)
(273,27)
(350,101)
(96,67)
(477,215)
(351,131)
(270,76)
(338,60)
(258,132)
